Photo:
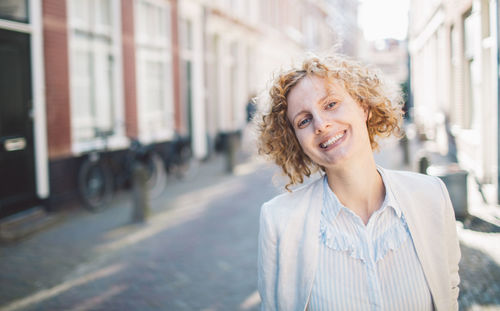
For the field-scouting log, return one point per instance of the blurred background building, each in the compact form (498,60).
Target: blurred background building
(454,82)
(148,69)
(389,55)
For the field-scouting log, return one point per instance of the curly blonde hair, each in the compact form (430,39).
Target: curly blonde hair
(276,136)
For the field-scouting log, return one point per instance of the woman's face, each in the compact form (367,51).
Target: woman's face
(328,123)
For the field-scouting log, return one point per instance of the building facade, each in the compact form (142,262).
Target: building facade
(146,69)
(454,60)
(388,55)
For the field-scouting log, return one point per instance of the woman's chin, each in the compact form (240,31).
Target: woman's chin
(334,162)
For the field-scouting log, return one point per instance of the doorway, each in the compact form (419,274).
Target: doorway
(17,171)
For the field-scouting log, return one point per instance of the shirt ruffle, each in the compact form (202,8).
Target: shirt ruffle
(391,240)
(339,241)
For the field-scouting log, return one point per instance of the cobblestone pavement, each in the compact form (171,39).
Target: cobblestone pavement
(480,264)
(198,252)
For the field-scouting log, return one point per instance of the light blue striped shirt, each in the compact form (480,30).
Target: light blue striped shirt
(372,267)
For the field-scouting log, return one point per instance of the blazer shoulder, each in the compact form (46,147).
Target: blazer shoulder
(281,206)
(411,187)
(413,179)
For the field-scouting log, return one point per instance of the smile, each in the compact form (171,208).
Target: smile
(332,140)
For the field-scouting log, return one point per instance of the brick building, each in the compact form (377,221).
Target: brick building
(146,69)
(454,72)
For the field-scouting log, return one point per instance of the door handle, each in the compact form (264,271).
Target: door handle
(14,144)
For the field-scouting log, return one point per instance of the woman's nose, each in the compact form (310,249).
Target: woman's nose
(320,125)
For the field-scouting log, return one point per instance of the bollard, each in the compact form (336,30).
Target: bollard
(423,164)
(404,145)
(230,152)
(142,204)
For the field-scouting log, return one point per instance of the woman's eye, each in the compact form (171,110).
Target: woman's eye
(303,123)
(331,105)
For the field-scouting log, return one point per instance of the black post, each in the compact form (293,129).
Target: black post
(403,142)
(231,145)
(142,204)
(423,164)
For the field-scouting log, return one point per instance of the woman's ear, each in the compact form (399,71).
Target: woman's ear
(366,108)
(368,113)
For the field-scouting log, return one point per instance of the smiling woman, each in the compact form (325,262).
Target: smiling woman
(360,237)
(334,78)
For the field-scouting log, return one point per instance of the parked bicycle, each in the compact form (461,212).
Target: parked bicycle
(103,172)
(179,160)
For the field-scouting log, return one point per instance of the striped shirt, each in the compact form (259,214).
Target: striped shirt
(367,267)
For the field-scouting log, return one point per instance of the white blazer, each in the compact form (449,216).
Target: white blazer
(289,243)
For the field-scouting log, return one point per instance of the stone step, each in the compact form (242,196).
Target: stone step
(25,223)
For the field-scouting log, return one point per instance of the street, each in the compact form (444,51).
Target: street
(198,251)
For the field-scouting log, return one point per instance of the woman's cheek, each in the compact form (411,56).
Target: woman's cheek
(301,140)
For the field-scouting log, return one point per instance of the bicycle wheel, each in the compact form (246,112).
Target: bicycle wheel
(157,175)
(95,184)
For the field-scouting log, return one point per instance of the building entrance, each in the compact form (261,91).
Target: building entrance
(17,171)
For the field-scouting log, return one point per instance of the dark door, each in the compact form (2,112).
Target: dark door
(17,174)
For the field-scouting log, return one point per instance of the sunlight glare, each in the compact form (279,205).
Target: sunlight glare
(381,19)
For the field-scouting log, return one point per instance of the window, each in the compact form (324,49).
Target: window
(16,10)
(154,70)
(455,94)
(92,67)
(472,70)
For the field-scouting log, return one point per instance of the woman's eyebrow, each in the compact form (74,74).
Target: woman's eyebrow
(328,95)
(319,102)
(298,114)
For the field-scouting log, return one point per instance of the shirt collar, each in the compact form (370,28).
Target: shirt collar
(334,205)
(389,195)
(331,202)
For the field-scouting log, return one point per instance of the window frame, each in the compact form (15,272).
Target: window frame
(104,40)
(154,47)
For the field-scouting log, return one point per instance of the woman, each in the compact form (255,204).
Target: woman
(361,237)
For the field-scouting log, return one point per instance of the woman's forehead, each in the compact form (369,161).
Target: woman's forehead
(318,85)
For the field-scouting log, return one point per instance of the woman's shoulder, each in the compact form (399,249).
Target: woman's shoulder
(282,205)
(412,179)
(285,198)
(428,191)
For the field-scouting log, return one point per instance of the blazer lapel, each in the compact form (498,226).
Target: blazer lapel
(299,250)
(311,241)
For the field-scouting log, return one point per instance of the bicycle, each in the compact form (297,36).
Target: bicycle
(103,172)
(180,160)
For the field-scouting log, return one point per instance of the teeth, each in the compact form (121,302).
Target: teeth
(332,140)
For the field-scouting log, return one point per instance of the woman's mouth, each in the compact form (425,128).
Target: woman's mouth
(332,140)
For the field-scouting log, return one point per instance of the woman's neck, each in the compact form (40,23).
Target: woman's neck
(358,187)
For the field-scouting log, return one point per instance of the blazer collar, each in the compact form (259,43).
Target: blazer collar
(389,200)
(301,247)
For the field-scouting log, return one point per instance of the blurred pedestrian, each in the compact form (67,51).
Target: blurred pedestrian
(251,108)
(361,237)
